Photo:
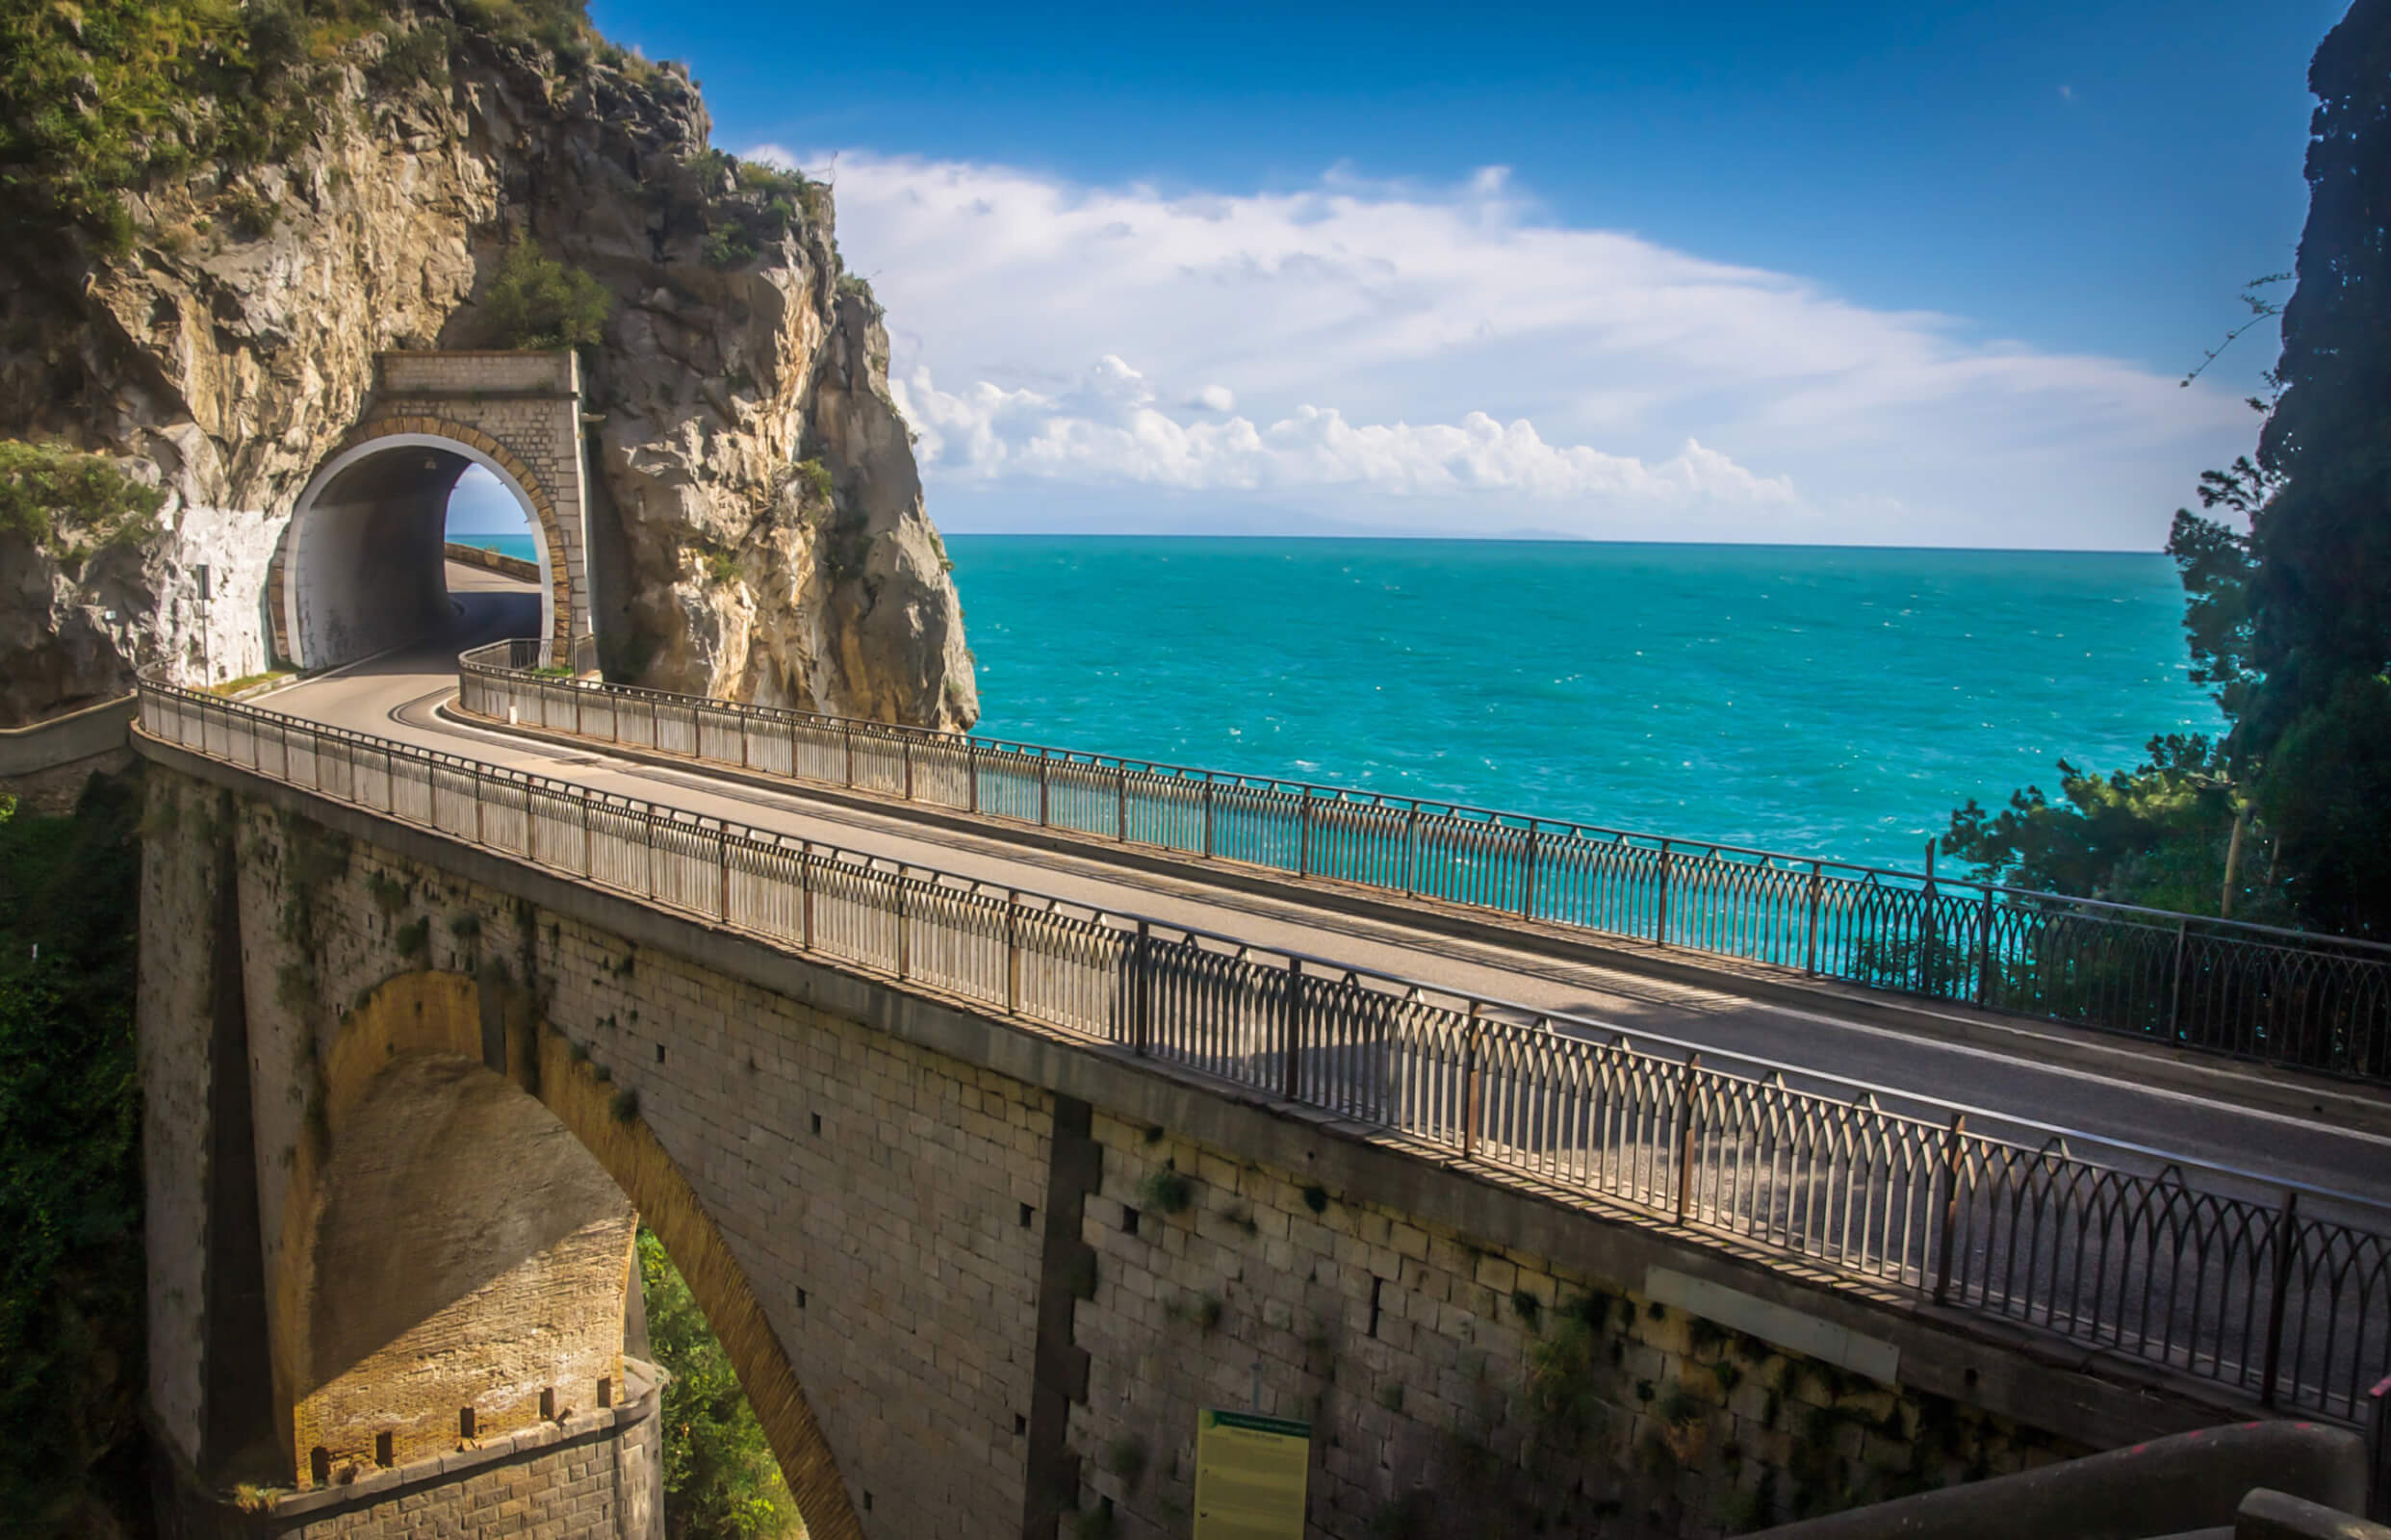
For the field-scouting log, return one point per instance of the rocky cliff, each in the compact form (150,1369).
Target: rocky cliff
(213,328)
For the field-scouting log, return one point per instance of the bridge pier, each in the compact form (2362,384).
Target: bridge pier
(979,1276)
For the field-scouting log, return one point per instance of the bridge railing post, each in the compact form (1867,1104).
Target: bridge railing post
(1527,877)
(1121,805)
(1946,1233)
(847,733)
(972,771)
(1041,788)
(1688,1103)
(2286,1249)
(1810,948)
(1660,910)
(903,970)
(1208,806)
(1984,949)
(1141,991)
(1290,1062)
(722,856)
(904,746)
(1471,1097)
(1411,851)
(805,894)
(1012,951)
(1304,835)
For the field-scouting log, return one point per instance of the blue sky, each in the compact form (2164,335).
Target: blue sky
(1891,274)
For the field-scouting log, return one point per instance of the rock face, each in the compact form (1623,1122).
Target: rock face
(757,519)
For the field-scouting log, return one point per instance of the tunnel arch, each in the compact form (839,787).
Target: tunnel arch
(360,565)
(424,1034)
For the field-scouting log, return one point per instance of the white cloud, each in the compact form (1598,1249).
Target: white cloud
(1448,358)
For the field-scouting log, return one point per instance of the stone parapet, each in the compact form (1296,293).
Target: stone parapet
(592,1476)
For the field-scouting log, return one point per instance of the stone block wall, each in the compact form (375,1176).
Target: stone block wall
(594,1476)
(1450,1382)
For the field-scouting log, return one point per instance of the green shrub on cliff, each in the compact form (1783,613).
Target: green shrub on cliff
(721,1482)
(540,303)
(105,94)
(71,1302)
(70,504)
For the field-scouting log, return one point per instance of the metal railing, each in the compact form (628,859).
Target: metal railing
(2254,991)
(2283,1293)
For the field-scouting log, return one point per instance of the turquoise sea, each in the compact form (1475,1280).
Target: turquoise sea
(1826,702)
(505,544)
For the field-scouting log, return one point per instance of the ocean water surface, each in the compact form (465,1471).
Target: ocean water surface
(505,545)
(1824,702)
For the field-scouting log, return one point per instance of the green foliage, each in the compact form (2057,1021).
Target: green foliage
(539,302)
(625,1105)
(1166,1191)
(1563,1397)
(70,504)
(813,477)
(2326,792)
(106,95)
(2319,588)
(2156,834)
(762,206)
(721,1482)
(70,1188)
(413,939)
(1316,1198)
(560,26)
(417,55)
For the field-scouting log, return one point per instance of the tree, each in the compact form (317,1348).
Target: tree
(2310,730)
(2290,623)
(721,1482)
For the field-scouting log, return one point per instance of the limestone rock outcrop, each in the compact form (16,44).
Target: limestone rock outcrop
(756,508)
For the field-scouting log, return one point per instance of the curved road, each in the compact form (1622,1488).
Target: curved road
(395,697)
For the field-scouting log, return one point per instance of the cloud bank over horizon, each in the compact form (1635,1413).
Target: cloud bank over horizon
(1446,360)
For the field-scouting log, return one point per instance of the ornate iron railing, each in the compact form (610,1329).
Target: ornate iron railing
(2249,990)
(2283,1293)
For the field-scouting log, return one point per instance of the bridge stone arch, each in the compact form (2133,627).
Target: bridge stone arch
(358,568)
(443,1092)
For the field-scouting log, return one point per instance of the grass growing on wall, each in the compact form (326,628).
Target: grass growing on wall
(71,1307)
(720,1480)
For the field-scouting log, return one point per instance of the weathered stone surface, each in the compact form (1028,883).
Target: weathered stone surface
(228,361)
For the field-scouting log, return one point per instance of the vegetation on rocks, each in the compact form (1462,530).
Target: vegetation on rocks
(71,1306)
(540,303)
(108,95)
(69,505)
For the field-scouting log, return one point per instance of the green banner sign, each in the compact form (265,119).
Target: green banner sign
(1249,1476)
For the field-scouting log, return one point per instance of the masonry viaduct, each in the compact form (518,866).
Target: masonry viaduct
(406,1092)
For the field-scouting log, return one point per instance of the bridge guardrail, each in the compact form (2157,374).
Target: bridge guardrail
(2253,992)
(2280,1291)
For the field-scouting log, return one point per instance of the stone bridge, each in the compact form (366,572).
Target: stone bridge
(358,569)
(406,1094)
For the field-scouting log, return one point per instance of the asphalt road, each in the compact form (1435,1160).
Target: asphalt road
(395,696)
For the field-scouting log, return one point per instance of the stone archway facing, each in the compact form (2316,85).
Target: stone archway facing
(300,637)
(517,415)
(448,1017)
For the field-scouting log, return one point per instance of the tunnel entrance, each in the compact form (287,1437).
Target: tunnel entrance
(364,569)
